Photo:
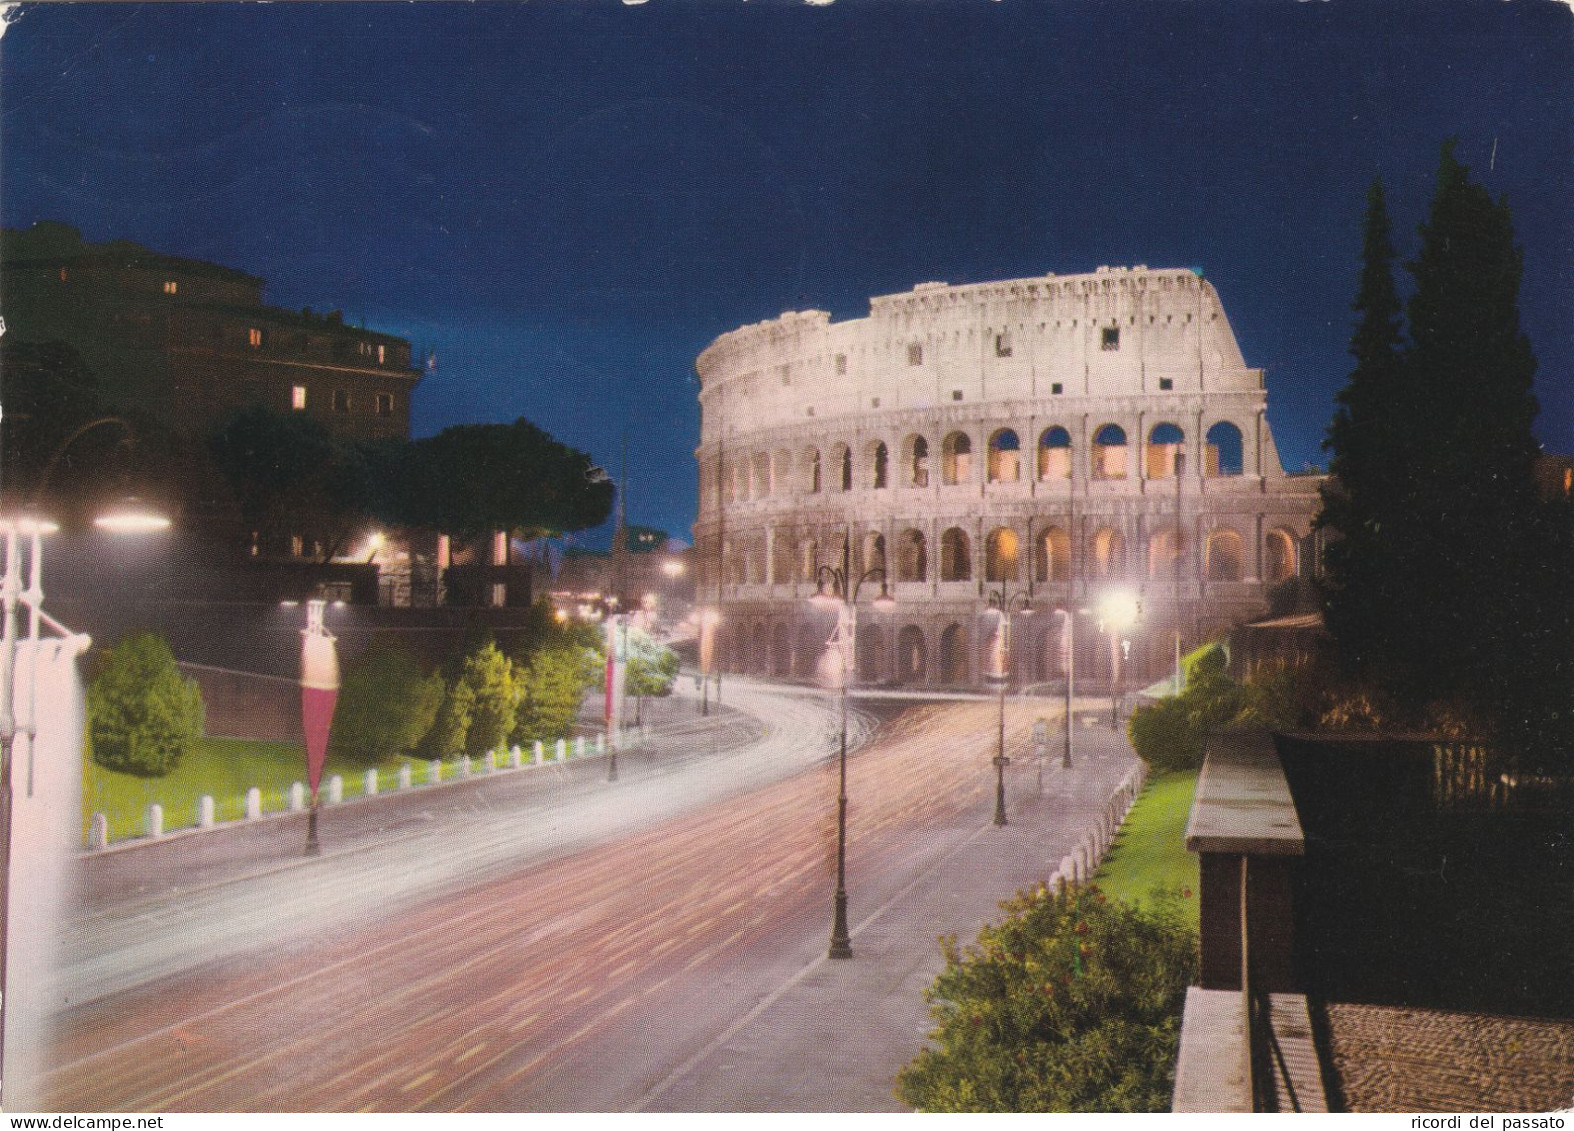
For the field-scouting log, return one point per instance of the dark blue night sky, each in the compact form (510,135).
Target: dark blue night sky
(568,201)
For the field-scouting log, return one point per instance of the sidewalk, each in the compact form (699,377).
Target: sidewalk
(833,1036)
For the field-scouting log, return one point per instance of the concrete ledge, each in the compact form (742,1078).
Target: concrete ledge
(1210,1073)
(1243,804)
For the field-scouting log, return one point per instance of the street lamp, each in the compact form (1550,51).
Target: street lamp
(1118,611)
(129,515)
(1003,604)
(839,594)
(1071,666)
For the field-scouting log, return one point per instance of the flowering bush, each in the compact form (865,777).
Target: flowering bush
(1072,1003)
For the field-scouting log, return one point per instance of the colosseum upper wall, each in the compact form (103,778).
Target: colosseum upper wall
(1061,435)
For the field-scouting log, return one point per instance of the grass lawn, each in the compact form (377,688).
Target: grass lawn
(224,768)
(1150,850)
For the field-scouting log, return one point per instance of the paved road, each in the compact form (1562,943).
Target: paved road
(598,956)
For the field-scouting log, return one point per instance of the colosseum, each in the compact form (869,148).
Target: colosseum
(1062,438)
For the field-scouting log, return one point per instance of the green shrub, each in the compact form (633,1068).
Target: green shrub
(652,666)
(386,706)
(494,697)
(1162,735)
(142,716)
(1072,1003)
(552,686)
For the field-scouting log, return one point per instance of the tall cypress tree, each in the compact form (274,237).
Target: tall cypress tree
(1448,578)
(1470,521)
(1366,441)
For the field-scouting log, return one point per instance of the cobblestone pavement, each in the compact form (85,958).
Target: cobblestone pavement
(1394,1059)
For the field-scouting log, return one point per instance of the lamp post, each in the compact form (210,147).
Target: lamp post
(1071,666)
(708,621)
(1117,612)
(840,594)
(1003,604)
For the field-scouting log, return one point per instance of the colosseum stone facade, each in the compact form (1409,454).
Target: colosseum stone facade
(1060,437)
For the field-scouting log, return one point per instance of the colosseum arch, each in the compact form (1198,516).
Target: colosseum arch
(956,556)
(782,571)
(842,467)
(912,558)
(1226,451)
(1109,554)
(1054,453)
(912,655)
(811,471)
(1280,552)
(1165,548)
(873,552)
(915,461)
(1052,556)
(1000,555)
(760,486)
(953,655)
(781,472)
(1109,453)
(808,560)
(1005,457)
(956,459)
(879,465)
(1165,443)
(871,653)
(1225,555)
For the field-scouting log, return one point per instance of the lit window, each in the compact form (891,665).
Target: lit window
(298,397)
(1110,338)
(915,354)
(341,400)
(382,354)
(384,404)
(297,545)
(62,274)
(254,336)
(171,286)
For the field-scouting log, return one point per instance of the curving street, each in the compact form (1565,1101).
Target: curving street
(585,945)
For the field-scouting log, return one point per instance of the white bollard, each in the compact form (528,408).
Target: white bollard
(434,771)
(406,777)
(205,811)
(601,743)
(464,766)
(98,832)
(369,784)
(513,756)
(489,763)
(155,819)
(540,752)
(297,797)
(253,803)
(562,750)
(335,790)
(579,747)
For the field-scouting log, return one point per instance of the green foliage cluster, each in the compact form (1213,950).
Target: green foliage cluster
(1071,1003)
(1447,573)
(386,706)
(494,699)
(1172,733)
(143,717)
(652,666)
(554,679)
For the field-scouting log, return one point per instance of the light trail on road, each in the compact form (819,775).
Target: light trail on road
(478,999)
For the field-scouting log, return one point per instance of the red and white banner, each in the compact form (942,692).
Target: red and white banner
(319,692)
